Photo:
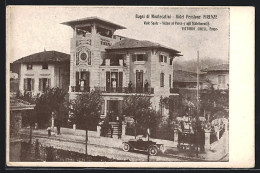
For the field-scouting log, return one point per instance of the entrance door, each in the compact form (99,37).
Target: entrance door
(114,109)
(139,81)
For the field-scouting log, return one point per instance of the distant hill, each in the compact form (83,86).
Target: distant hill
(191,65)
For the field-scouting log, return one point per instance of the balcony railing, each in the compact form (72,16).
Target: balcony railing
(174,90)
(80,89)
(125,90)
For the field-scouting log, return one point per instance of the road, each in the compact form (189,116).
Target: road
(98,150)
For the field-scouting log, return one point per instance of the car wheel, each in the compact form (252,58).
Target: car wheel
(153,151)
(126,147)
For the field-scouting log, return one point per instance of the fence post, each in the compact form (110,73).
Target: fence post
(52,122)
(123,130)
(74,127)
(98,130)
(207,140)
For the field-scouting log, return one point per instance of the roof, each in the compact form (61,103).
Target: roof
(221,67)
(93,19)
(185,76)
(129,43)
(18,104)
(45,56)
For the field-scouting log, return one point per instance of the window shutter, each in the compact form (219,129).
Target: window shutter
(163,79)
(77,78)
(88,79)
(40,84)
(32,84)
(25,84)
(108,83)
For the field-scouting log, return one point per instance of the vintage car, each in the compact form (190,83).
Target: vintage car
(148,146)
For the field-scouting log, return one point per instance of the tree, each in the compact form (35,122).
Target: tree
(149,119)
(214,101)
(86,110)
(51,100)
(136,106)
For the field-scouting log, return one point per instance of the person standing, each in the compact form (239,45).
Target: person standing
(82,84)
(114,85)
(130,87)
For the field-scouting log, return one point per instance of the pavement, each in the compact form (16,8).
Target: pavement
(74,140)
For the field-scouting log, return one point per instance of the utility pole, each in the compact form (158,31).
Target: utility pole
(197,116)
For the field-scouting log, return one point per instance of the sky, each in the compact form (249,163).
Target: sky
(31,29)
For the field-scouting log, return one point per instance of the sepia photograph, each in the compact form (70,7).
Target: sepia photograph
(118,84)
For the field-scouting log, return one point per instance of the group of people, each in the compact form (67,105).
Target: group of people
(146,84)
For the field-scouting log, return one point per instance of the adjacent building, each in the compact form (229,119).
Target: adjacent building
(218,76)
(41,70)
(186,80)
(116,65)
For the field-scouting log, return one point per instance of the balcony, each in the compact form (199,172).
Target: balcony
(125,90)
(79,89)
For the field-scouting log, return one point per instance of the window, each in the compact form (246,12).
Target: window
(29,66)
(117,60)
(44,83)
(83,57)
(45,66)
(28,84)
(221,79)
(140,57)
(163,58)
(162,79)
